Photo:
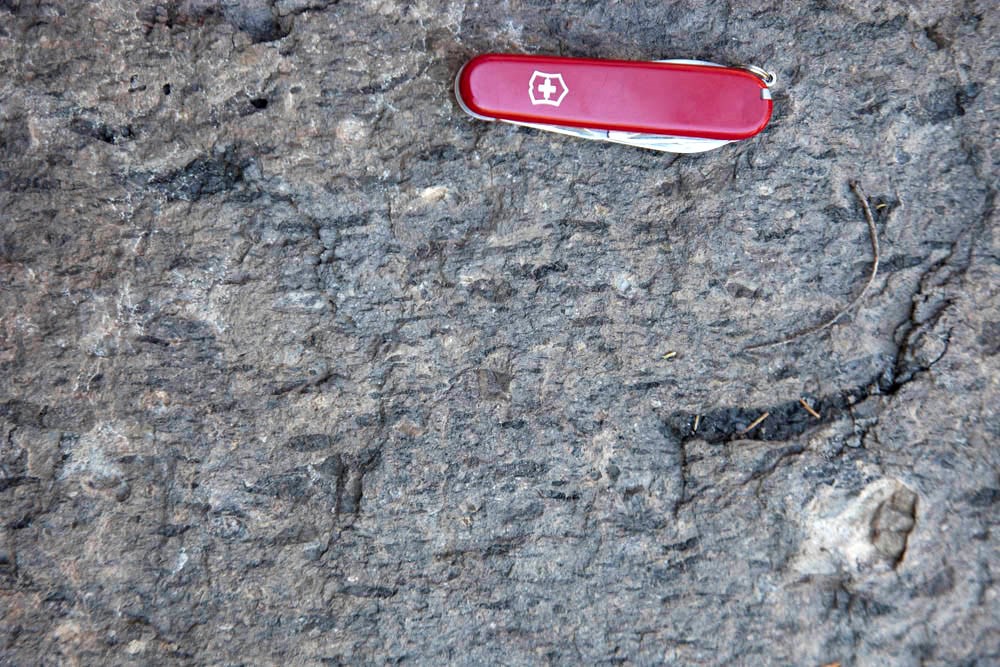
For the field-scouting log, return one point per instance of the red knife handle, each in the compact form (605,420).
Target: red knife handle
(676,99)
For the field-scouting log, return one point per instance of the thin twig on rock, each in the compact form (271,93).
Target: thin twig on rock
(809,408)
(873,232)
(755,423)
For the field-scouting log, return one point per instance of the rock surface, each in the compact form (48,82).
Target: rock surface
(301,365)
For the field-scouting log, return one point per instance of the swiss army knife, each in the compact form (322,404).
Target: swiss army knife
(678,106)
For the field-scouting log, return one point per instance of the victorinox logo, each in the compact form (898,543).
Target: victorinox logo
(546,88)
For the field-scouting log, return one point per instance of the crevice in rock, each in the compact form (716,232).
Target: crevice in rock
(261,20)
(222,171)
(786,420)
(101,131)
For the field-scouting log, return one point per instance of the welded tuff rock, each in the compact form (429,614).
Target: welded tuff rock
(299,364)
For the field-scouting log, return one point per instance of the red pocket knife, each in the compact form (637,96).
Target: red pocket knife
(679,106)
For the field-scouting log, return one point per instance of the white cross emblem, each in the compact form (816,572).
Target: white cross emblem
(544,88)
(547,88)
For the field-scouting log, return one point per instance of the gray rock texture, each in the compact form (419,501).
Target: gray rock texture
(301,365)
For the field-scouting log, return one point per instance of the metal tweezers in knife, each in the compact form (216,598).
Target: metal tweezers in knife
(678,106)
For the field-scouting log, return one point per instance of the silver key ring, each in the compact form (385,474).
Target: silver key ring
(769,78)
